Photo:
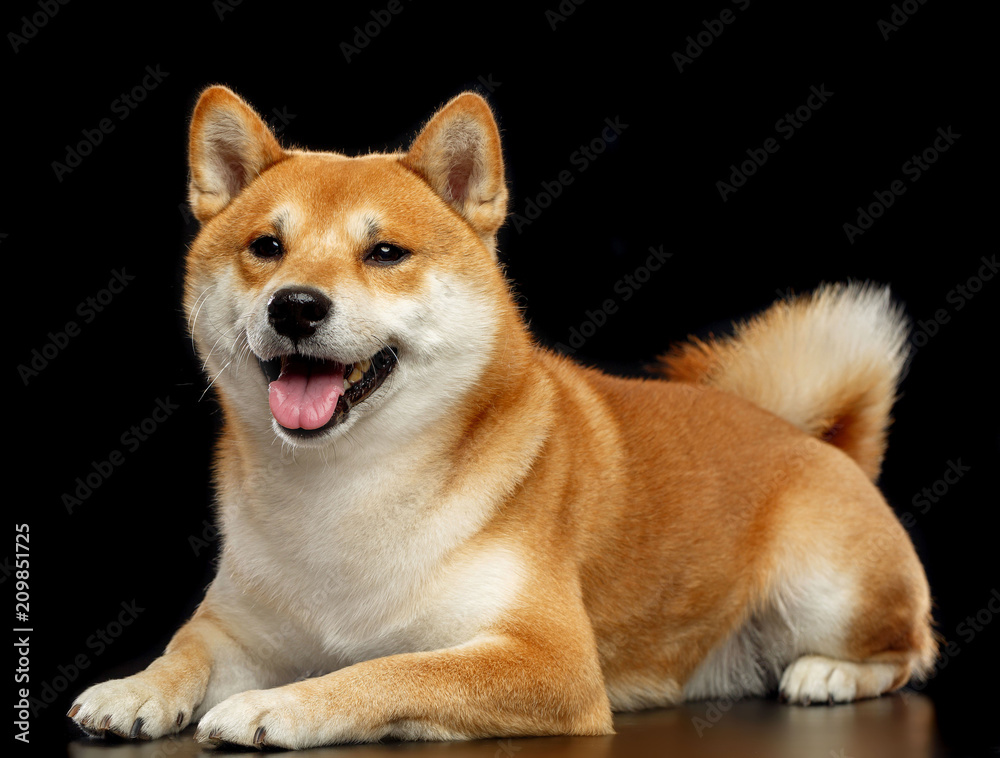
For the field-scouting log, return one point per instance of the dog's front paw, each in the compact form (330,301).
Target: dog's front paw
(259,718)
(133,708)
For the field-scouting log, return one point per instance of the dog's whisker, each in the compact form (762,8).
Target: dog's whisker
(211,383)
(199,304)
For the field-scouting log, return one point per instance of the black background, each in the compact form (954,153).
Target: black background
(135,536)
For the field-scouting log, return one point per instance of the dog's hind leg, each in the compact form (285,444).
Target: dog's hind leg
(856,599)
(887,641)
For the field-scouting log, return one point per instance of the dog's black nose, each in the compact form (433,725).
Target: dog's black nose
(295,312)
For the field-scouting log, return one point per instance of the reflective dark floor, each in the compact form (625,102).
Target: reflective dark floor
(898,726)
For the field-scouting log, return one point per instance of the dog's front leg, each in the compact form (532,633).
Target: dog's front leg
(202,665)
(500,685)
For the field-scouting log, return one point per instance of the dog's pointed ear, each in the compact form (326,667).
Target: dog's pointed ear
(458,154)
(228,146)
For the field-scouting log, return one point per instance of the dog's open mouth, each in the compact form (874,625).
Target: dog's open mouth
(309,395)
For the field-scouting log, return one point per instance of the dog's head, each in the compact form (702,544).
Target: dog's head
(324,290)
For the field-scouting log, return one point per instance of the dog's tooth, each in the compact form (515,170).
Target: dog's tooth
(347,384)
(365,365)
(356,375)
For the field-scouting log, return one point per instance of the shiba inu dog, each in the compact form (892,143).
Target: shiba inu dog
(433,528)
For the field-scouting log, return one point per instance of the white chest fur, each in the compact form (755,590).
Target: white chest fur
(346,561)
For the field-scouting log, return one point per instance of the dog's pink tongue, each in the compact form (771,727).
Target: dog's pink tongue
(305,395)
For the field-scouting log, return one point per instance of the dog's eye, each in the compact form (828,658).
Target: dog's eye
(385,253)
(266,247)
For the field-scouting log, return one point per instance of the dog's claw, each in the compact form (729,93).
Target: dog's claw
(180,718)
(74,710)
(136,733)
(259,735)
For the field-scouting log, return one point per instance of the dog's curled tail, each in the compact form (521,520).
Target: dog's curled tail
(828,362)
